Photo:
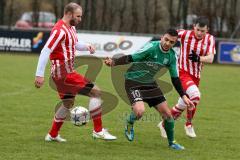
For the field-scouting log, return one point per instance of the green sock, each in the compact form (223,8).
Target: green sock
(131,118)
(169,128)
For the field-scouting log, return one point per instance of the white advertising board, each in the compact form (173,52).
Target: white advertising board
(109,45)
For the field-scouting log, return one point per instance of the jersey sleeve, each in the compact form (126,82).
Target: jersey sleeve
(180,33)
(212,49)
(143,53)
(56,36)
(173,67)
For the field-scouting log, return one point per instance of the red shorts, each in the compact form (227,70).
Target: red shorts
(71,85)
(188,80)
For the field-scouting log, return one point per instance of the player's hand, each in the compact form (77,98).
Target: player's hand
(91,49)
(39,81)
(194,57)
(188,102)
(108,61)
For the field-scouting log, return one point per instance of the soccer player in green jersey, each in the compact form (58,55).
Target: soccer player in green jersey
(141,86)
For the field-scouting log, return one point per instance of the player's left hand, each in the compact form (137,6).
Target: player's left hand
(194,57)
(188,102)
(91,49)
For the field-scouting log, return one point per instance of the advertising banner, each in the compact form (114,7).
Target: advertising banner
(109,45)
(22,41)
(229,52)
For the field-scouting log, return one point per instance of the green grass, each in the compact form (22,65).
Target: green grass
(26,114)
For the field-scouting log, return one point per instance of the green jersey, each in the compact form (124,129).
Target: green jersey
(149,60)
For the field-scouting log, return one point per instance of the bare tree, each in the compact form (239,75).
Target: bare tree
(223,15)
(93,15)
(2,11)
(55,7)
(170,10)
(184,13)
(122,10)
(11,8)
(135,16)
(233,15)
(35,15)
(146,16)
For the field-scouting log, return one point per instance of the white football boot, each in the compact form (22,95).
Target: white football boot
(49,138)
(104,134)
(190,131)
(162,129)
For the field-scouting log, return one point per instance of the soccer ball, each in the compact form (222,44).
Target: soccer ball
(79,116)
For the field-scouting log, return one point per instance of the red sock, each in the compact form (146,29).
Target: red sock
(190,115)
(176,112)
(97,119)
(56,126)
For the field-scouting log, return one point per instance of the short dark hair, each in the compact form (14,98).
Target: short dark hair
(202,21)
(71,7)
(172,32)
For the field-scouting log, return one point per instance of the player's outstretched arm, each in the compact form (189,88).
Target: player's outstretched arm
(178,86)
(118,59)
(42,62)
(82,46)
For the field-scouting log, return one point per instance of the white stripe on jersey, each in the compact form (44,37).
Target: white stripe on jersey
(189,61)
(65,56)
(185,58)
(57,41)
(68,63)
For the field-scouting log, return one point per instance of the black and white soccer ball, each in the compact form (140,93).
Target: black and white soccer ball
(79,116)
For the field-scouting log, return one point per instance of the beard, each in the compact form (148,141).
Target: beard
(73,22)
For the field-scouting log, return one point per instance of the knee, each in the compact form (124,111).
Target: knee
(94,103)
(194,94)
(95,92)
(68,103)
(139,112)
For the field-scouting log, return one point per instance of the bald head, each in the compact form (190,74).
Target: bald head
(71,7)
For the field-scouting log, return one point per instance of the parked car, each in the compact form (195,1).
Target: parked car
(45,20)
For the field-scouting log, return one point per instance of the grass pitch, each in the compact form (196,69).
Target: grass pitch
(26,114)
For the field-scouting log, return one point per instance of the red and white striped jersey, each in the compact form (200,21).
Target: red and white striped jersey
(62,43)
(201,47)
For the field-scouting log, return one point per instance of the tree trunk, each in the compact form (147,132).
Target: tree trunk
(184,13)
(223,16)
(179,11)
(10,13)
(171,16)
(135,17)
(55,8)
(155,17)
(35,10)
(233,15)
(102,25)
(122,14)
(146,17)
(2,11)
(93,15)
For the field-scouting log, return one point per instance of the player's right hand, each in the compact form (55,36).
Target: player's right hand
(188,102)
(108,61)
(39,81)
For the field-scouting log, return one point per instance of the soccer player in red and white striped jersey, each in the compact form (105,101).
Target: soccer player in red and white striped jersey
(60,49)
(197,47)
